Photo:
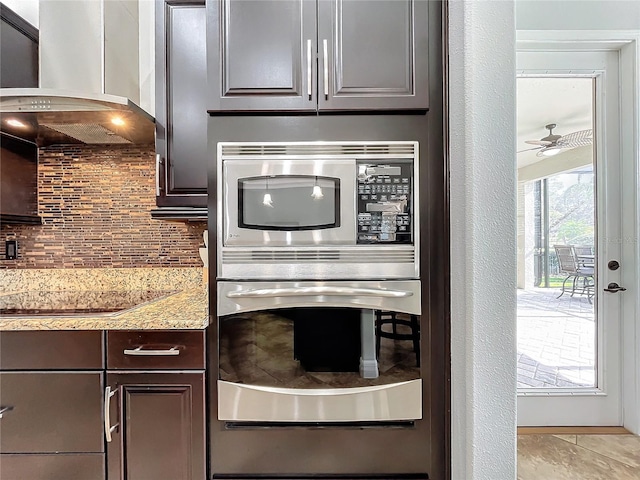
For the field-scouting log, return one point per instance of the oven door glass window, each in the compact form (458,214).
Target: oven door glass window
(327,347)
(289,202)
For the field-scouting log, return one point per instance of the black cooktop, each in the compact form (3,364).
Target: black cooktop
(49,303)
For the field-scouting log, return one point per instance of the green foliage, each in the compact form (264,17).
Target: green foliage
(571,209)
(575,232)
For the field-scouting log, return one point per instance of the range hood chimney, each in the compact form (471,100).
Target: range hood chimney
(89,82)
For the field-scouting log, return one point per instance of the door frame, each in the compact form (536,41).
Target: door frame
(627,44)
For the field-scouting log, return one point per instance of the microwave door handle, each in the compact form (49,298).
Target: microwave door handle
(307,291)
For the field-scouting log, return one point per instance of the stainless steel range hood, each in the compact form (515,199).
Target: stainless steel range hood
(48,116)
(89,76)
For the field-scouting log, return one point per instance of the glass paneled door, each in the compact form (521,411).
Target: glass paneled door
(569,211)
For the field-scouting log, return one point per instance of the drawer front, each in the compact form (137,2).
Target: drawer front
(51,412)
(51,350)
(144,350)
(53,467)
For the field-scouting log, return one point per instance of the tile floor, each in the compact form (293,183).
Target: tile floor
(556,339)
(578,457)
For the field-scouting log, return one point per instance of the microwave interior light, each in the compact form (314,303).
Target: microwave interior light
(117,121)
(266,200)
(15,123)
(317,191)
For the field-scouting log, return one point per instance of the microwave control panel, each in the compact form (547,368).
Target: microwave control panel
(384,206)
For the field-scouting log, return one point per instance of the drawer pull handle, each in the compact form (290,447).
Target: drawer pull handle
(152,353)
(108,429)
(4,410)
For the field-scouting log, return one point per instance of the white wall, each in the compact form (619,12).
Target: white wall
(71,36)
(483,231)
(146,15)
(27,9)
(578,14)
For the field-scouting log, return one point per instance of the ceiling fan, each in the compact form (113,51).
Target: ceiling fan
(552,144)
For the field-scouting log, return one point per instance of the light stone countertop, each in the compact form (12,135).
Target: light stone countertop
(187,309)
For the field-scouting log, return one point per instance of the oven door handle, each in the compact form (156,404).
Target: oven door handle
(308,291)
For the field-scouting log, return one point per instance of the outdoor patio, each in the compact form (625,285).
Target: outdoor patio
(556,339)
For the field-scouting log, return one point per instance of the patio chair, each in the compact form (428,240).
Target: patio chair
(411,333)
(585,255)
(568,262)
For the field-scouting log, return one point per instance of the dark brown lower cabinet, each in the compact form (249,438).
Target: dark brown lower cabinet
(50,425)
(157,424)
(52,466)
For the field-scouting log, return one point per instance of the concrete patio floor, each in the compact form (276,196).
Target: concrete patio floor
(556,339)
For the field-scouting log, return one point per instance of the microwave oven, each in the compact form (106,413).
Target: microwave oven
(317,210)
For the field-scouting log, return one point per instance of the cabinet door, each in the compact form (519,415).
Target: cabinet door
(18,40)
(375,56)
(18,181)
(51,412)
(160,430)
(181,115)
(60,466)
(262,55)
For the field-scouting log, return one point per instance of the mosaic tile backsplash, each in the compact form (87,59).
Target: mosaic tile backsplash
(95,202)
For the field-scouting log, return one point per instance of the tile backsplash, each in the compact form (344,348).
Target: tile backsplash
(95,202)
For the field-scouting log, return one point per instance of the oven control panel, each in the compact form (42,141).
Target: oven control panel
(384,206)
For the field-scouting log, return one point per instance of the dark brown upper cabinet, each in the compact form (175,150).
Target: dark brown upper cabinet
(181,115)
(18,51)
(317,55)
(19,159)
(18,181)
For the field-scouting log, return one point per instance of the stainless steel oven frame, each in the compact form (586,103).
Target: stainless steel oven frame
(334,257)
(400,401)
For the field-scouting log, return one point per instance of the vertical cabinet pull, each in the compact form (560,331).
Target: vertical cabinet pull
(108,429)
(4,410)
(158,162)
(326,68)
(309,70)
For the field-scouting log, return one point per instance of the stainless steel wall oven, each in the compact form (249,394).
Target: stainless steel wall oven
(316,352)
(319,311)
(317,379)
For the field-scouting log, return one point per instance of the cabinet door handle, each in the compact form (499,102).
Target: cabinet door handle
(158,162)
(4,410)
(326,68)
(152,353)
(108,429)
(309,69)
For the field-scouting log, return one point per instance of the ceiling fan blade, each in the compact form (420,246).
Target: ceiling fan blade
(529,149)
(542,143)
(576,139)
